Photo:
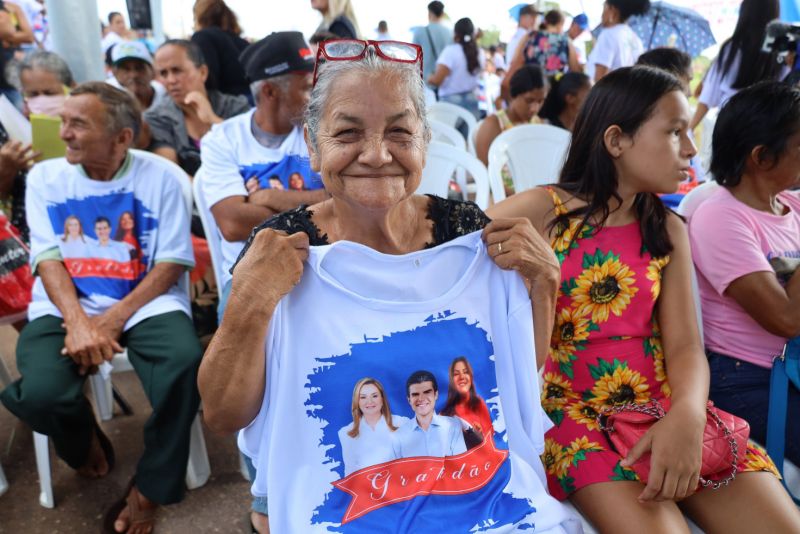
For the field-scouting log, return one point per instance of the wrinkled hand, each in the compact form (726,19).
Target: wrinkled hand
(202,107)
(14,155)
(252,185)
(91,341)
(271,267)
(514,244)
(676,446)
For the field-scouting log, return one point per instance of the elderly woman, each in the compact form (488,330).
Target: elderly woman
(45,79)
(745,240)
(179,122)
(367,134)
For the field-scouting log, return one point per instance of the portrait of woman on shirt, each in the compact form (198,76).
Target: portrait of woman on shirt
(367,440)
(462,399)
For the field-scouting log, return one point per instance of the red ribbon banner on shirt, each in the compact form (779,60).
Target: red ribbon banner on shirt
(400,480)
(103,268)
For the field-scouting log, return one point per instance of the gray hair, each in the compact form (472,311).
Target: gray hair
(49,62)
(282,82)
(329,71)
(122,110)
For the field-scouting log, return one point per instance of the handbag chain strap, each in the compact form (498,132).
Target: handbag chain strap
(656,410)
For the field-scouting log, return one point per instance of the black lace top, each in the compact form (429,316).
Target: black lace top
(451,219)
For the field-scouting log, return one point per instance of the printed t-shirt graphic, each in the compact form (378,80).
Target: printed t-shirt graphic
(364,427)
(236,164)
(108,234)
(95,239)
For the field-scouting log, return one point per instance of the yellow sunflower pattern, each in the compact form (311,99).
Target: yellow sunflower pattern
(606,286)
(615,384)
(654,275)
(585,414)
(556,395)
(652,347)
(558,459)
(570,332)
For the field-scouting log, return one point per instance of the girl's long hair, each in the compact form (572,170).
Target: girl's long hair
(465,36)
(755,65)
(338,8)
(627,98)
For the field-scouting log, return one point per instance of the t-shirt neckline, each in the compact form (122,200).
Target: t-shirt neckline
(471,241)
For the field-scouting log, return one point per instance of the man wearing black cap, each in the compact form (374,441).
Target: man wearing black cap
(241,155)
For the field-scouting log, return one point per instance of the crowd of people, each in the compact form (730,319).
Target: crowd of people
(347,299)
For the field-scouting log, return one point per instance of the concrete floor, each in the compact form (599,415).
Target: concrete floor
(219,506)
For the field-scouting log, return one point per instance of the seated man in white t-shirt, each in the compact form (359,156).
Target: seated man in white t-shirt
(427,434)
(90,302)
(242,156)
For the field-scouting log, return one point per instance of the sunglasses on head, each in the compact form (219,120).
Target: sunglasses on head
(356,49)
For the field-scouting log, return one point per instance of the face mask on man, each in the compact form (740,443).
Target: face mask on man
(50,105)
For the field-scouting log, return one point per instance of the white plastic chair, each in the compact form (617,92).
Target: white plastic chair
(198,469)
(694,197)
(450,114)
(534,154)
(442,161)
(444,133)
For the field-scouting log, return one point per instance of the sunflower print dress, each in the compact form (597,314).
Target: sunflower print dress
(605,350)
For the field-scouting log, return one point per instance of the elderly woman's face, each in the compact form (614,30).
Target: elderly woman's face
(37,82)
(371,149)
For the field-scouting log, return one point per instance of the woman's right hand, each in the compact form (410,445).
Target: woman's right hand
(272,266)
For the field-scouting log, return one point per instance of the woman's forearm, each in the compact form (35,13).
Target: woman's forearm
(543,301)
(232,376)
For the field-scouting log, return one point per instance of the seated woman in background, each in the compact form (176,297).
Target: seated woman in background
(625,323)
(528,91)
(746,247)
(565,98)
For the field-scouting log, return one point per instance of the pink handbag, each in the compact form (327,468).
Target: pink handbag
(724,438)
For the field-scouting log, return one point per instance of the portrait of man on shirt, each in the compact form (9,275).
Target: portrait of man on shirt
(427,433)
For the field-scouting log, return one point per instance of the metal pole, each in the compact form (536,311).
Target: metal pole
(157,14)
(75,27)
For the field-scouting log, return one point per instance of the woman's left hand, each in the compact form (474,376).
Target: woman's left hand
(514,244)
(676,446)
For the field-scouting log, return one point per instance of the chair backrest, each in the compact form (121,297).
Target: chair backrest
(444,133)
(442,161)
(450,114)
(210,228)
(534,154)
(694,197)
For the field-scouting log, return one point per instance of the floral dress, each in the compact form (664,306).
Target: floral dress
(548,50)
(605,350)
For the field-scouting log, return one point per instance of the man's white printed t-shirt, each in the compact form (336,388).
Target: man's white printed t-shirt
(232,156)
(357,314)
(148,221)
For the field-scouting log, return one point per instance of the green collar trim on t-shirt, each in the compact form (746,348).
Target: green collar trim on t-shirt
(126,165)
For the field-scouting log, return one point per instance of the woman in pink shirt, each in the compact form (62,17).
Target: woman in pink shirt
(745,243)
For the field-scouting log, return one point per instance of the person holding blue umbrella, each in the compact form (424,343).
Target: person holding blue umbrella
(618,45)
(740,62)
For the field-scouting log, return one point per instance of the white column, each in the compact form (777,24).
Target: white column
(157,15)
(75,28)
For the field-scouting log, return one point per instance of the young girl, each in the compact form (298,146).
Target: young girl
(625,316)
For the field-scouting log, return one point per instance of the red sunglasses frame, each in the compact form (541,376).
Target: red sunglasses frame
(322,53)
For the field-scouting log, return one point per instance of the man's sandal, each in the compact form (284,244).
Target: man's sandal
(136,515)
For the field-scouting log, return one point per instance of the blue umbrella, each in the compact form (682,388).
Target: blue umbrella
(669,25)
(514,11)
